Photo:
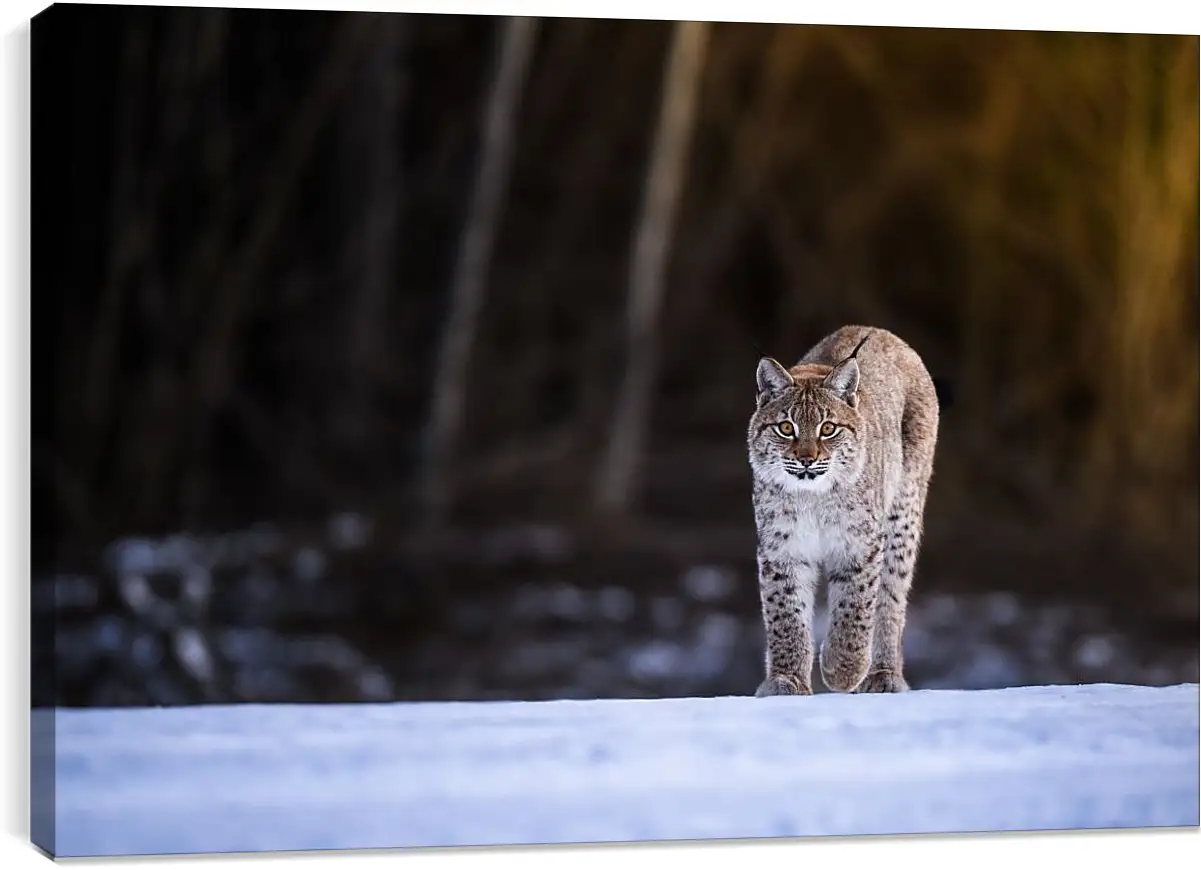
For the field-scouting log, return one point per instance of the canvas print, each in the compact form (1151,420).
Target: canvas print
(480,430)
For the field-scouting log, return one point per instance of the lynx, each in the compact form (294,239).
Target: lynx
(841,448)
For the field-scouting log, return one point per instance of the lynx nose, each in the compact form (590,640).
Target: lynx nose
(805,461)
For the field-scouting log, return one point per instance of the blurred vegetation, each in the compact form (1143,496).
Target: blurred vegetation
(245,226)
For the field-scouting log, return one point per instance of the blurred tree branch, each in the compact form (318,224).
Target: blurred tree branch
(652,244)
(373,124)
(468,285)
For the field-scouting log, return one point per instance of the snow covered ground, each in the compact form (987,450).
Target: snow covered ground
(246,778)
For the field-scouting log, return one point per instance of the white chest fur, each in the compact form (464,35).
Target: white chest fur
(814,531)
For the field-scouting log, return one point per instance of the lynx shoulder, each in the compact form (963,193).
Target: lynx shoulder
(841,448)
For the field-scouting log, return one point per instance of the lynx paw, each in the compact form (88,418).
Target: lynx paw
(843,667)
(782,684)
(883,681)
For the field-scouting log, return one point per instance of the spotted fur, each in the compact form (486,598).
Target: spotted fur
(841,448)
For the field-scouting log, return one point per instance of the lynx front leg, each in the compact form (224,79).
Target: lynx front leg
(786,592)
(903,535)
(847,650)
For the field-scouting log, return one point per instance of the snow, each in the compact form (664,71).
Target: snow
(289,777)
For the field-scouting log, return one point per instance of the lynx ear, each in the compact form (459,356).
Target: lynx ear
(843,381)
(771,377)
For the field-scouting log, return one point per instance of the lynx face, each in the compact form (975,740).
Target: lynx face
(804,434)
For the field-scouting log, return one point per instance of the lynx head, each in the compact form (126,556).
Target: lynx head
(805,433)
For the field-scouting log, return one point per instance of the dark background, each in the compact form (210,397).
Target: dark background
(246,229)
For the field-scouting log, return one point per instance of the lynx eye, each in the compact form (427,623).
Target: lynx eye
(786,428)
(827,429)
